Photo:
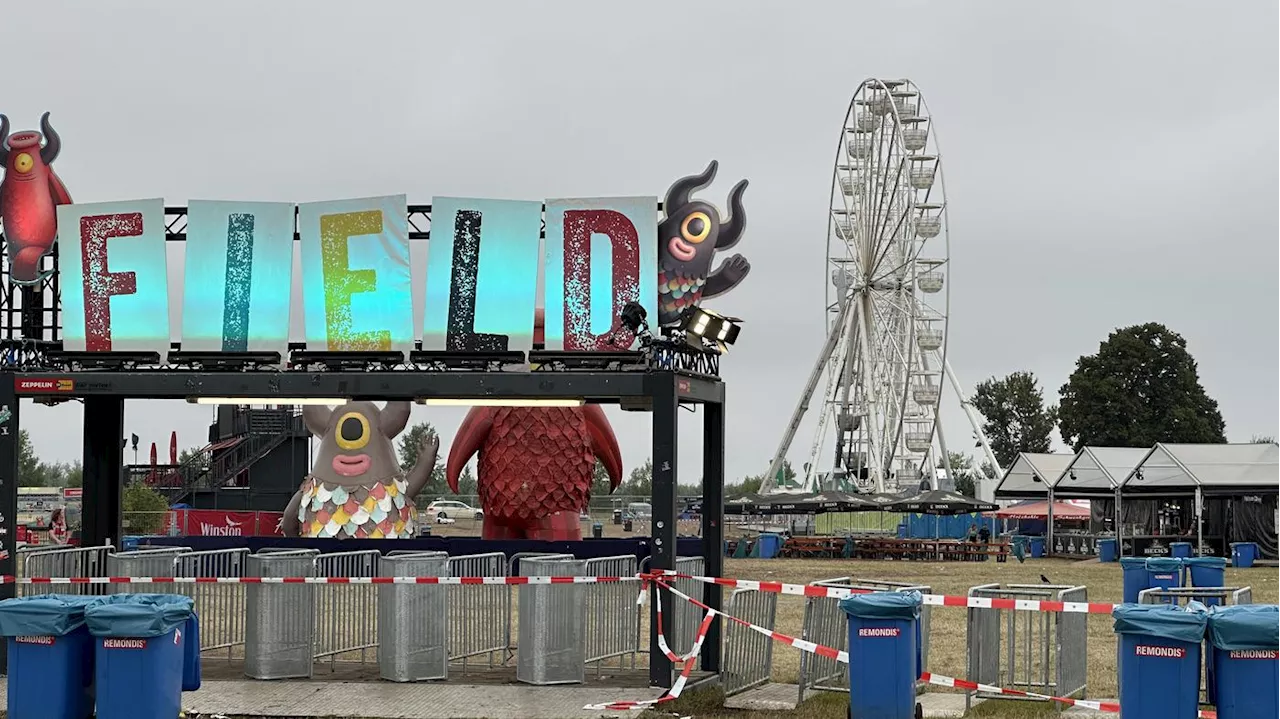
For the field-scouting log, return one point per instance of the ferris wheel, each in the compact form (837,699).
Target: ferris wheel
(887,305)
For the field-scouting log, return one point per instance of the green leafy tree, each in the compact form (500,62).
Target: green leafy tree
(964,474)
(409,448)
(748,485)
(1014,416)
(639,483)
(144,509)
(1262,439)
(467,485)
(1139,389)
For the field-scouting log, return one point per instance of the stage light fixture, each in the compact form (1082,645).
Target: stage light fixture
(702,325)
(500,402)
(268,400)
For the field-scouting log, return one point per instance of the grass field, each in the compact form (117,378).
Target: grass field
(947,635)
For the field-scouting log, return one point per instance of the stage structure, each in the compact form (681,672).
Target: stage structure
(100,335)
(885,356)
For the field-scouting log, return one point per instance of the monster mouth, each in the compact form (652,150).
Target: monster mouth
(22,141)
(351,466)
(680,249)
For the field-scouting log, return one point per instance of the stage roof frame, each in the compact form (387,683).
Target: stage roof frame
(1181,469)
(1031,475)
(1097,472)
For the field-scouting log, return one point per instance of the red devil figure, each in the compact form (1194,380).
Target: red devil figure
(29,195)
(536,465)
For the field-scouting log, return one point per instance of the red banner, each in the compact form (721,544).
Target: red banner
(219,523)
(269,524)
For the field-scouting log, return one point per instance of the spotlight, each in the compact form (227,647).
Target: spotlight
(634,319)
(702,325)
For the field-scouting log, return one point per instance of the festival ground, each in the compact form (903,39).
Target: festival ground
(497,697)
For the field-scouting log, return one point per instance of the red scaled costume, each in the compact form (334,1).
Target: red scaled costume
(536,466)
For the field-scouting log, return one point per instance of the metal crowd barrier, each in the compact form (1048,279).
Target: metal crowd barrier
(280,635)
(220,607)
(473,609)
(825,623)
(1206,595)
(552,646)
(612,622)
(63,562)
(682,620)
(1044,652)
(346,615)
(747,659)
(413,626)
(141,563)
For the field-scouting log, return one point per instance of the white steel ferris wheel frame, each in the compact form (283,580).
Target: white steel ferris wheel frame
(885,355)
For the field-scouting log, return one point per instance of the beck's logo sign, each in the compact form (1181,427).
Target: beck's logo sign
(42,641)
(124,643)
(1147,650)
(879,632)
(41,385)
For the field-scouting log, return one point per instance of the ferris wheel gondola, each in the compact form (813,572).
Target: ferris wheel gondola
(887,302)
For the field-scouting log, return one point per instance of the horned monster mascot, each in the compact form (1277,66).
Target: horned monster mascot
(536,465)
(356,488)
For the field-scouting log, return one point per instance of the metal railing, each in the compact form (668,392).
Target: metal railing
(472,609)
(609,632)
(63,561)
(1044,652)
(347,616)
(747,660)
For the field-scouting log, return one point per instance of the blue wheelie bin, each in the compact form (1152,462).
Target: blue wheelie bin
(884,654)
(50,657)
(1136,578)
(1246,655)
(140,654)
(1243,554)
(1164,573)
(1037,547)
(1106,550)
(1206,572)
(1159,668)
(1179,550)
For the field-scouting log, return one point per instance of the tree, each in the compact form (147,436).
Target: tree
(1014,416)
(144,508)
(467,485)
(1139,389)
(410,448)
(964,475)
(1262,439)
(639,483)
(749,485)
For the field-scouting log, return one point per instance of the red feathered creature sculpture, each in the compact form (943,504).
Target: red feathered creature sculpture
(29,196)
(536,465)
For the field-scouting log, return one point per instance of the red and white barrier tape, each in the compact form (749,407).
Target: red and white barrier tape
(677,686)
(318,580)
(936,600)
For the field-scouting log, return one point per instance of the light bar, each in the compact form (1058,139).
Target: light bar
(268,400)
(500,402)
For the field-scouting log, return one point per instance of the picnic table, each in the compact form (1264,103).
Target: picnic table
(930,549)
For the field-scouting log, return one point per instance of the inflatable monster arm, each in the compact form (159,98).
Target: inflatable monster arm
(289,525)
(420,474)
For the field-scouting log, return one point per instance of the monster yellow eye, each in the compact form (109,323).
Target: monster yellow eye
(353,431)
(23,162)
(696,227)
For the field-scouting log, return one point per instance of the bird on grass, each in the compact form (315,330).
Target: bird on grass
(1045,579)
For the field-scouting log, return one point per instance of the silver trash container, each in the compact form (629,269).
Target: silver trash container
(413,621)
(280,623)
(143,563)
(552,648)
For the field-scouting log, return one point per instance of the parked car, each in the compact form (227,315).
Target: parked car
(451,509)
(638,510)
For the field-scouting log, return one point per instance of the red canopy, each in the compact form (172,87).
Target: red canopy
(1040,510)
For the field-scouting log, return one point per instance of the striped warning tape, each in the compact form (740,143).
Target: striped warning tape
(936,600)
(677,686)
(8,579)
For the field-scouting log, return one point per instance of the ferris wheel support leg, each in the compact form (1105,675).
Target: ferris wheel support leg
(875,458)
(797,415)
(981,482)
(946,459)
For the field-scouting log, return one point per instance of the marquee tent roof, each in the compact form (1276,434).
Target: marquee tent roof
(1031,475)
(1040,510)
(1097,471)
(1220,468)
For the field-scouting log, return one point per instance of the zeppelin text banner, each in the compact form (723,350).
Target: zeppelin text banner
(239,270)
(115,281)
(601,253)
(482,275)
(356,282)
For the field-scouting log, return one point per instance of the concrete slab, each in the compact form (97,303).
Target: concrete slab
(770,697)
(936,705)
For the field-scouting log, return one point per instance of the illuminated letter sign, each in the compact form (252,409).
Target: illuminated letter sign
(239,269)
(601,254)
(356,283)
(115,281)
(482,275)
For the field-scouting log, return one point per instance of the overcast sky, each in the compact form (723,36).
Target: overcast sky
(1106,163)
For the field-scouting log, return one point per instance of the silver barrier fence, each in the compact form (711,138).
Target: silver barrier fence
(413,629)
(1179,596)
(1044,652)
(141,563)
(478,613)
(825,623)
(685,616)
(63,562)
(552,645)
(612,621)
(347,615)
(220,608)
(747,660)
(280,618)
